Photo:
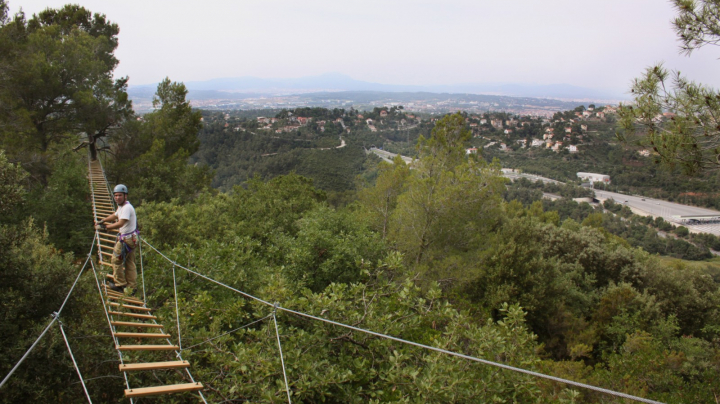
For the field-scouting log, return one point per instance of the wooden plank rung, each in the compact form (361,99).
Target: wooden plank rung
(135,315)
(128,306)
(147,347)
(140,335)
(173,388)
(124,298)
(134,324)
(129,367)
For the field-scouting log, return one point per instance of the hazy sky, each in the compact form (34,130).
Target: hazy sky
(595,44)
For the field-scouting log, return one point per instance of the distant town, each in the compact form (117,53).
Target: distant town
(424,103)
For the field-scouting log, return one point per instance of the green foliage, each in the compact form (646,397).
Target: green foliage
(34,279)
(57,82)
(151,155)
(330,247)
(12,192)
(64,205)
(379,201)
(689,138)
(449,199)
(682,231)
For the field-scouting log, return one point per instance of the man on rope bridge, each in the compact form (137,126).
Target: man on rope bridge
(123,258)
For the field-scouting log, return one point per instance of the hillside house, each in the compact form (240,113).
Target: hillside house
(572,148)
(383,113)
(536,143)
(644,152)
(497,123)
(583,128)
(483,121)
(568,130)
(586,114)
(472,150)
(600,114)
(507,131)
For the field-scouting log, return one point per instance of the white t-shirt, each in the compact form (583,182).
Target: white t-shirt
(127,211)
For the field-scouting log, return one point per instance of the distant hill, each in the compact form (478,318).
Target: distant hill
(242,87)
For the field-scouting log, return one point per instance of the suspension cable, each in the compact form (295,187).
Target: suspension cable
(377,334)
(282,360)
(73,360)
(55,316)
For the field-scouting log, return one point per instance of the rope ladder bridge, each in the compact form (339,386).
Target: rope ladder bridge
(119,308)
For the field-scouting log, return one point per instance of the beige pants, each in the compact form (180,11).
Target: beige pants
(125,274)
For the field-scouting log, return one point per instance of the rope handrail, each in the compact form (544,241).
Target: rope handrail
(55,316)
(444,351)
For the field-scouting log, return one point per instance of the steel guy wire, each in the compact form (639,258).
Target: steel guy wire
(282,360)
(229,332)
(472,358)
(55,317)
(142,268)
(73,360)
(177,310)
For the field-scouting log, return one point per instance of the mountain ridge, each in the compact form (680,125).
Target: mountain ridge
(233,87)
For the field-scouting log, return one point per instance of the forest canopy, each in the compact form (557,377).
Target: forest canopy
(443,251)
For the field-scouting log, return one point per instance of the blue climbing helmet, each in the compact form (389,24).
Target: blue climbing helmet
(120,188)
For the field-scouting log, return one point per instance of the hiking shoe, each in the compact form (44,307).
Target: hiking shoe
(119,289)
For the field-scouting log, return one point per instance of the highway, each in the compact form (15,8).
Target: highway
(387,156)
(645,206)
(639,204)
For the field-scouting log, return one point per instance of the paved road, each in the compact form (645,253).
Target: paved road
(639,204)
(387,156)
(655,207)
(646,206)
